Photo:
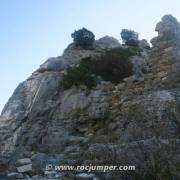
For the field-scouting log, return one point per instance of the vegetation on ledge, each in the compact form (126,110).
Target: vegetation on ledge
(113,66)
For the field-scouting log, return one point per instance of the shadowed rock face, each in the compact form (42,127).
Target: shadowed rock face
(136,122)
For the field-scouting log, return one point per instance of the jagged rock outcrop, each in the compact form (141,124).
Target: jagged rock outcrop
(135,122)
(165,55)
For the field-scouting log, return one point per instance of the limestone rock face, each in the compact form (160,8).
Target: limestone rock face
(168,28)
(144,44)
(164,57)
(95,104)
(168,31)
(24,168)
(135,122)
(52,64)
(32,96)
(107,42)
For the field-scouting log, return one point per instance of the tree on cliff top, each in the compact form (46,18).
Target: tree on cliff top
(129,37)
(83,38)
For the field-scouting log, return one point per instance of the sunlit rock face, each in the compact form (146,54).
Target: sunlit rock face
(135,122)
(165,55)
(168,28)
(168,31)
(107,42)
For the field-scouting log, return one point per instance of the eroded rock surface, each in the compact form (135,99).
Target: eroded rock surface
(135,122)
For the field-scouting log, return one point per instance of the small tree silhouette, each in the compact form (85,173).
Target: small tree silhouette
(129,37)
(83,38)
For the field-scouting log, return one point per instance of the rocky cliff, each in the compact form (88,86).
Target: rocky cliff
(135,122)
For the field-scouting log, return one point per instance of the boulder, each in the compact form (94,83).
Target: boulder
(50,174)
(23,161)
(107,42)
(84,176)
(24,168)
(14,175)
(41,160)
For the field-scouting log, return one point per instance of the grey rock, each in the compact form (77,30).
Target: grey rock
(165,52)
(32,96)
(41,160)
(37,177)
(167,27)
(135,122)
(14,175)
(77,101)
(24,168)
(140,65)
(107,42)
(50,172)
(59,175)
(144,44)
(84,176)
(168,31)
(27,176)
(96,178)
(23,161)
(72,56)
(52,64)
(154,41)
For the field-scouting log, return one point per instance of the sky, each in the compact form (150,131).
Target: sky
(33,30)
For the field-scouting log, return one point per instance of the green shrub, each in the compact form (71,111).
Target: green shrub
(78,75)
(113,66)
(125,53)
(130,37)
(83,38)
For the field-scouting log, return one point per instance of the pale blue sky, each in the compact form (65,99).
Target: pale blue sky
(33,30)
